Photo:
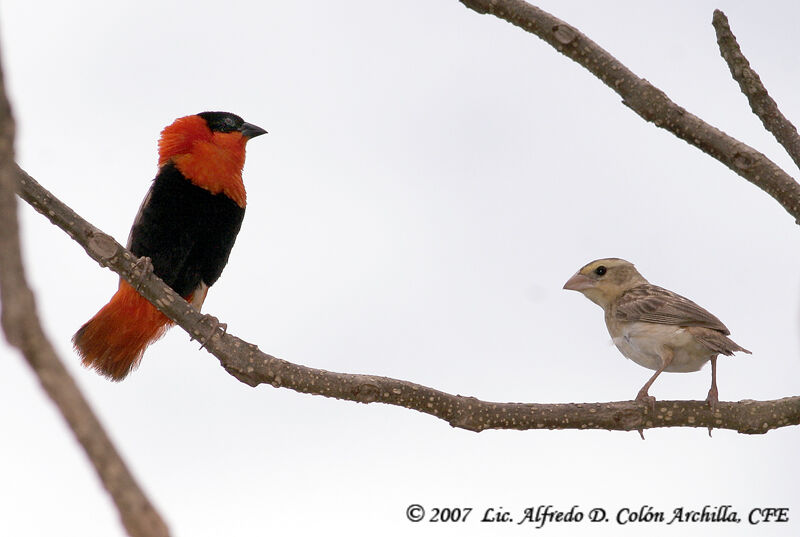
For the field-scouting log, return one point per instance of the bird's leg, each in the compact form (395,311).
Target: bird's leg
(713,394)
(196,299)
(642,396)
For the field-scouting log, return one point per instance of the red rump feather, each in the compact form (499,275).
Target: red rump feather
(113,341)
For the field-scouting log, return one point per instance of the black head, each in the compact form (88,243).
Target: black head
(222,121)
(227,122)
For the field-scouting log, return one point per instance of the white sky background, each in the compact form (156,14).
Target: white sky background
(430,180)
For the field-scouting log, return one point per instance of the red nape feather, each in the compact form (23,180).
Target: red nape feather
(112,342)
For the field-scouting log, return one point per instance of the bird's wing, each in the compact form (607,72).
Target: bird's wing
(166,229)
(653,304)
(139,216)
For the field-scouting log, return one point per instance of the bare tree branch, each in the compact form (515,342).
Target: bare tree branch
(253,367)
(647,100)
(750,83)
(24,331)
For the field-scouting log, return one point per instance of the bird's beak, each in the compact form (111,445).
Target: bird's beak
(249,130)
(579,282)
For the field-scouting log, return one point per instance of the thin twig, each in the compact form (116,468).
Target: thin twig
(648,101)
(253,367)
(24,331)
(750,83)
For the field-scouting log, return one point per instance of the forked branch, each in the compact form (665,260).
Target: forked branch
(750,83)
(649,102)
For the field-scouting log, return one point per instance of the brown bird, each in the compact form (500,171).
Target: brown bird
(652,326)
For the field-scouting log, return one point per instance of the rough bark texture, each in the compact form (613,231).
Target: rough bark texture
(647,100)
(253,367)
(750,83)
(22,330)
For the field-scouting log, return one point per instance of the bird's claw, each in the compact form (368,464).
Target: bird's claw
(205,336)
(142,269)
(649,400)
(711,401)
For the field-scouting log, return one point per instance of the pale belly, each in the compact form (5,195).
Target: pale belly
(644,343)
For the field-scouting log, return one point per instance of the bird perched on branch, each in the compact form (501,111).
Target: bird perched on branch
(186,226)
(652,326)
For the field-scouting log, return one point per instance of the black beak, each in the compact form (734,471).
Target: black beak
(249,130)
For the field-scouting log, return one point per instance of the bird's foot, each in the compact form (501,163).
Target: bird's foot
(712,399)
(649,400)
(203,334)
(142,269)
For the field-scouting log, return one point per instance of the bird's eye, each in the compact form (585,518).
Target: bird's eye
(229,122)
(600,270)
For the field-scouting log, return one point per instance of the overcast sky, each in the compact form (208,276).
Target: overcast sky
(430,180)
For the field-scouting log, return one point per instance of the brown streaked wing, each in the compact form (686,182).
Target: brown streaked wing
(654,304)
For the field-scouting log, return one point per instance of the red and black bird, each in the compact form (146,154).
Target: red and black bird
(187,225)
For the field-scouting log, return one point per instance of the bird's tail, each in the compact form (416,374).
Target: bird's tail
(716,341)
(112,342)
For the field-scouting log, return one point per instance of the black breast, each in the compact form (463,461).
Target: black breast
(186,231)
